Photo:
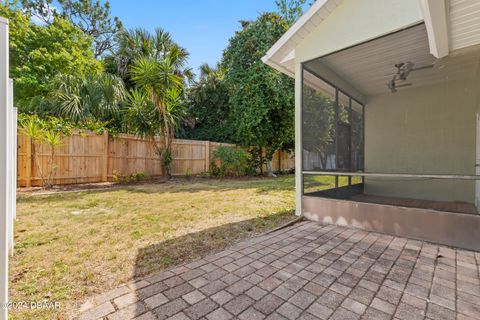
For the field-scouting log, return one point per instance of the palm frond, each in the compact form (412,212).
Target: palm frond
(90,96)
(52,138)
(139,114)
(144,72)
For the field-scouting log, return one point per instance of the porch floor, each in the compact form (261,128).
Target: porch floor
(307,271)
(449,206)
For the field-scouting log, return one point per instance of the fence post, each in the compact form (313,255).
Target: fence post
(105,157)
(280,154)
(207,156)
(28,162)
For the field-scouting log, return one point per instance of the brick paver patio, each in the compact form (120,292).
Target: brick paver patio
(307,271)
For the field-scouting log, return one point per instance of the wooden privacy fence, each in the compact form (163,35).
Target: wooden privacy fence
(88,157)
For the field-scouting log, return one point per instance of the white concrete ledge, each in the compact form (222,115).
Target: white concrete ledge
(448,228)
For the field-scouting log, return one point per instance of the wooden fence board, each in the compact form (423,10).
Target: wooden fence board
(88,158)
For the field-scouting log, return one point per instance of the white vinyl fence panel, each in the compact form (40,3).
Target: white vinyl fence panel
(8,169)
(11,166)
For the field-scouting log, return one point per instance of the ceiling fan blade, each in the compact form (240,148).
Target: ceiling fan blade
(423,68)
(403,85)
(430,66)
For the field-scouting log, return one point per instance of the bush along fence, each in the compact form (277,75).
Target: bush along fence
(89,157)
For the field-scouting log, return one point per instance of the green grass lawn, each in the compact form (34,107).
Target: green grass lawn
(73,245)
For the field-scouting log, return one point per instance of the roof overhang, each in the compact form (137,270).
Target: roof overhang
(451,25)
(279,67)
(281,55)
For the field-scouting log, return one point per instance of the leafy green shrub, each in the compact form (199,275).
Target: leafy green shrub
(188,174)
(230,162)
(205,174)
(139,176)
(167,158)
(43,133)
(49,131)
(65,126)
(117,176)
(134,177)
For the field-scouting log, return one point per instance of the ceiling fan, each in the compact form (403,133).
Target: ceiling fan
(403,71)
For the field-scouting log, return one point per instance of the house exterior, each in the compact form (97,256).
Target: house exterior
(387,105)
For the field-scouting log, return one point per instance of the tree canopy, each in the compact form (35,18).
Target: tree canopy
(40,52)
(290,10)
(90,97)
(261,99)
(71,59)
(209,107)
(92,17)
(242,100)
(136,43)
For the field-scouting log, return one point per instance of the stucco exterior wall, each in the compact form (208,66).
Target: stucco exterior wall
(428,129)
(351,23)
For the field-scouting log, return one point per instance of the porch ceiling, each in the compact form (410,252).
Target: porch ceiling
(464,22)
(370,66)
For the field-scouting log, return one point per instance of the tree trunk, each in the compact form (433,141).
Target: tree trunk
(51,168)
(270,169)
(36,160)
(167,152)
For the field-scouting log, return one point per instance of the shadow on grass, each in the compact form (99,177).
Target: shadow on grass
(194,245)
(261,185)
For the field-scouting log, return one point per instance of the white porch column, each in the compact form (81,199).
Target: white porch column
(298,139)
(4,159)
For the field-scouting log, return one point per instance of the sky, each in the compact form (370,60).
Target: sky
(203,27)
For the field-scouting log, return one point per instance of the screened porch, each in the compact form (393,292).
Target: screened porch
(385,122)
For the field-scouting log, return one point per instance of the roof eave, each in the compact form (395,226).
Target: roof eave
(278,67)
(316,6)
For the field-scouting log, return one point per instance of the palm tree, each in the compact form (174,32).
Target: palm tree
(53,139)
(42,134)
(157,68)
(138,43)
(131,44)
(211,78)
(95,97)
